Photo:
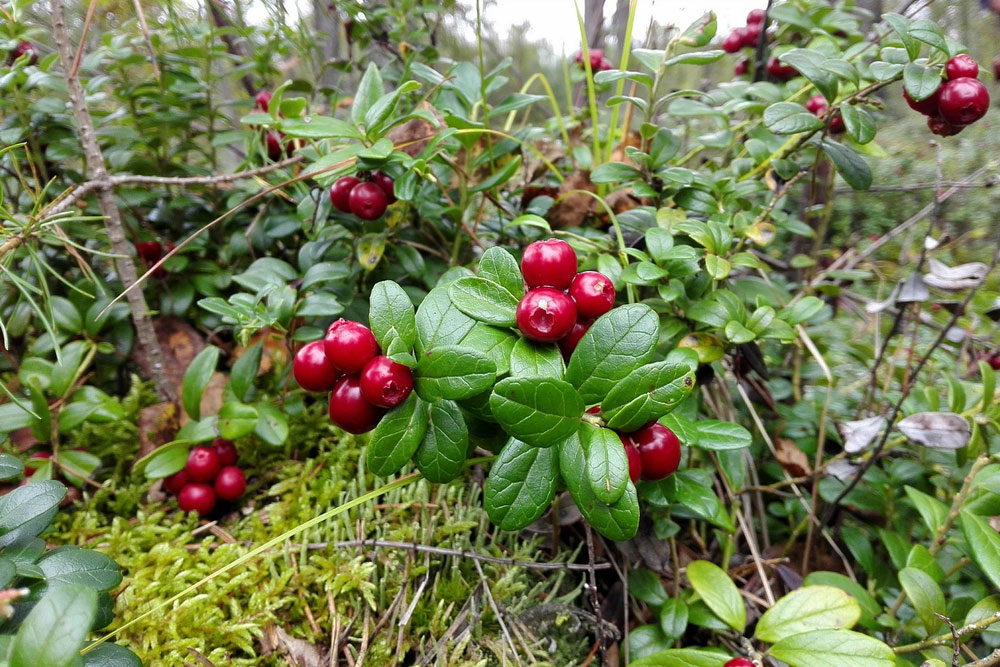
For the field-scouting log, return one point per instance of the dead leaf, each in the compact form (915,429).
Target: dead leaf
(634,139)
(413,136)
(963,276)
(859,434)
(842,469)
(23,439)
(157,425)
(572,209)
(298,652)
(179,342)
(791,458)
(939,430)
(913,290)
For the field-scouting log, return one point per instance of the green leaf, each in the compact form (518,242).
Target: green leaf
(54,630)
(521,484)
(696,58)
(931,510)
(901,25)
(850,165)
(717,267)
(439,322)
(928,32)
(719,592)
(737,333)
(646,394)
(496,344)
(983,544)
(498,265)
(397,437)
(607,463)
(870,608)
(925,595)
(692,498)
(645,641)
(646,586)
(453,372)
(801,311)
(812,65)
(808,608)
(368,92)
(823,648)
(539,411)
(442,452)
(615,172)
(272,425)
(920,81)
(72,565)
(674,618)
(390,314)
(382,110)
(498,178)
(10,466)
(620,341)
(164,461)
(318,127)
(27,510)
(682,657)
(790,118)
(245,370)
(618,521)
(196,378)
(484,300)
(859,123)
(721,436)
(529,359)
(236,420)
(111,655)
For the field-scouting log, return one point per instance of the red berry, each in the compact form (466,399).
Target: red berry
(739,662)
(994,362)
(733,42)
(349,345)
(837,125)
(24,48)
(549,263)
(202,464)
(150,251)
(996,68)
(198,498)
(340,192)
(30,469)
(595,58)
(755,16)
(816,105)
(262,100)
(660,450)
(594,410)
(176,482)
(386,383)
(960,66)
(348,408)
(312,369)
(742,66)
(367,201)
(779,70)
(570,341)
(928,106)
(384,182)
(593,293)
(545,315)
(226,451)
(943,128)
(604,65)
(230,483)
(274,147)
(750,35)
(634,459)
(963,101)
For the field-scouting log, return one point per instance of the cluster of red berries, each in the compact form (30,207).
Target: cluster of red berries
(961,100)
(747,37)
(560,304)
(817,105)
(598,63)
(362,382)
(653,452)
(151,252)
(210,474)
(23,48)
(366,198)
(277,146)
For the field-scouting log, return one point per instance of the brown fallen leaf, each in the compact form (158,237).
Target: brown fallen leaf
(572,209)
(180,343)
(412,136)
(157,425)
(792,459)
(298,652)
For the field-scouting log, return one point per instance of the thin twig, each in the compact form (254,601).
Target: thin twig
(592,585)
(496,611)
(991,182)
(931,642)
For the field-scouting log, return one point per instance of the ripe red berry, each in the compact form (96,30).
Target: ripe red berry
(996,68)
(837,125)
(634,459)
(150,251)
(30,469)
(549,263)
(367,201)
(545,315)
(594,410)
(386,383)
(262,100)
(660,450)
(816,104)
(739,662)
(226,451)
(202,464)
(604,65)
(348,408)
(928,106)
(385,183)
(595,58)
(943,128)
(340,192)
(274,148)
(733,42)
(24,48)
(741,67)
(994,362)
(961,65)
(593,293)
(198,498)
(176,482)
(755,16)
(349,346)
(569,342)
(312,368)
(963,101)
(779,70)
(230,483)
(751,35)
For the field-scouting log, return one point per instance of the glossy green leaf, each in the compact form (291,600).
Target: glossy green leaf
(245,370)
(496,344)
(529,359)
(646,394)
(484,300)
(27,510)
(439,322)
(870,608)
(925,596)
(539,411)
(859,123)
(111,655)
(53,632)
(645,586)
(618,521)
(453,372)
(368,92)
(674,618)
(498,265)
(618,342)
(615,172)
(720,436)
(808,608)
(319,127)
(931,510)
(391,316)
(441,454)
(521,484)
(499,177)
(719,592)
(607,463)
(850,165)
(10,466)
(694,499)
(823,648)
(72,565)
(272,425)
(236,420)
(196,378)
(682,657)
(983,545)
(164,461)
(397,437)
(790,118)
